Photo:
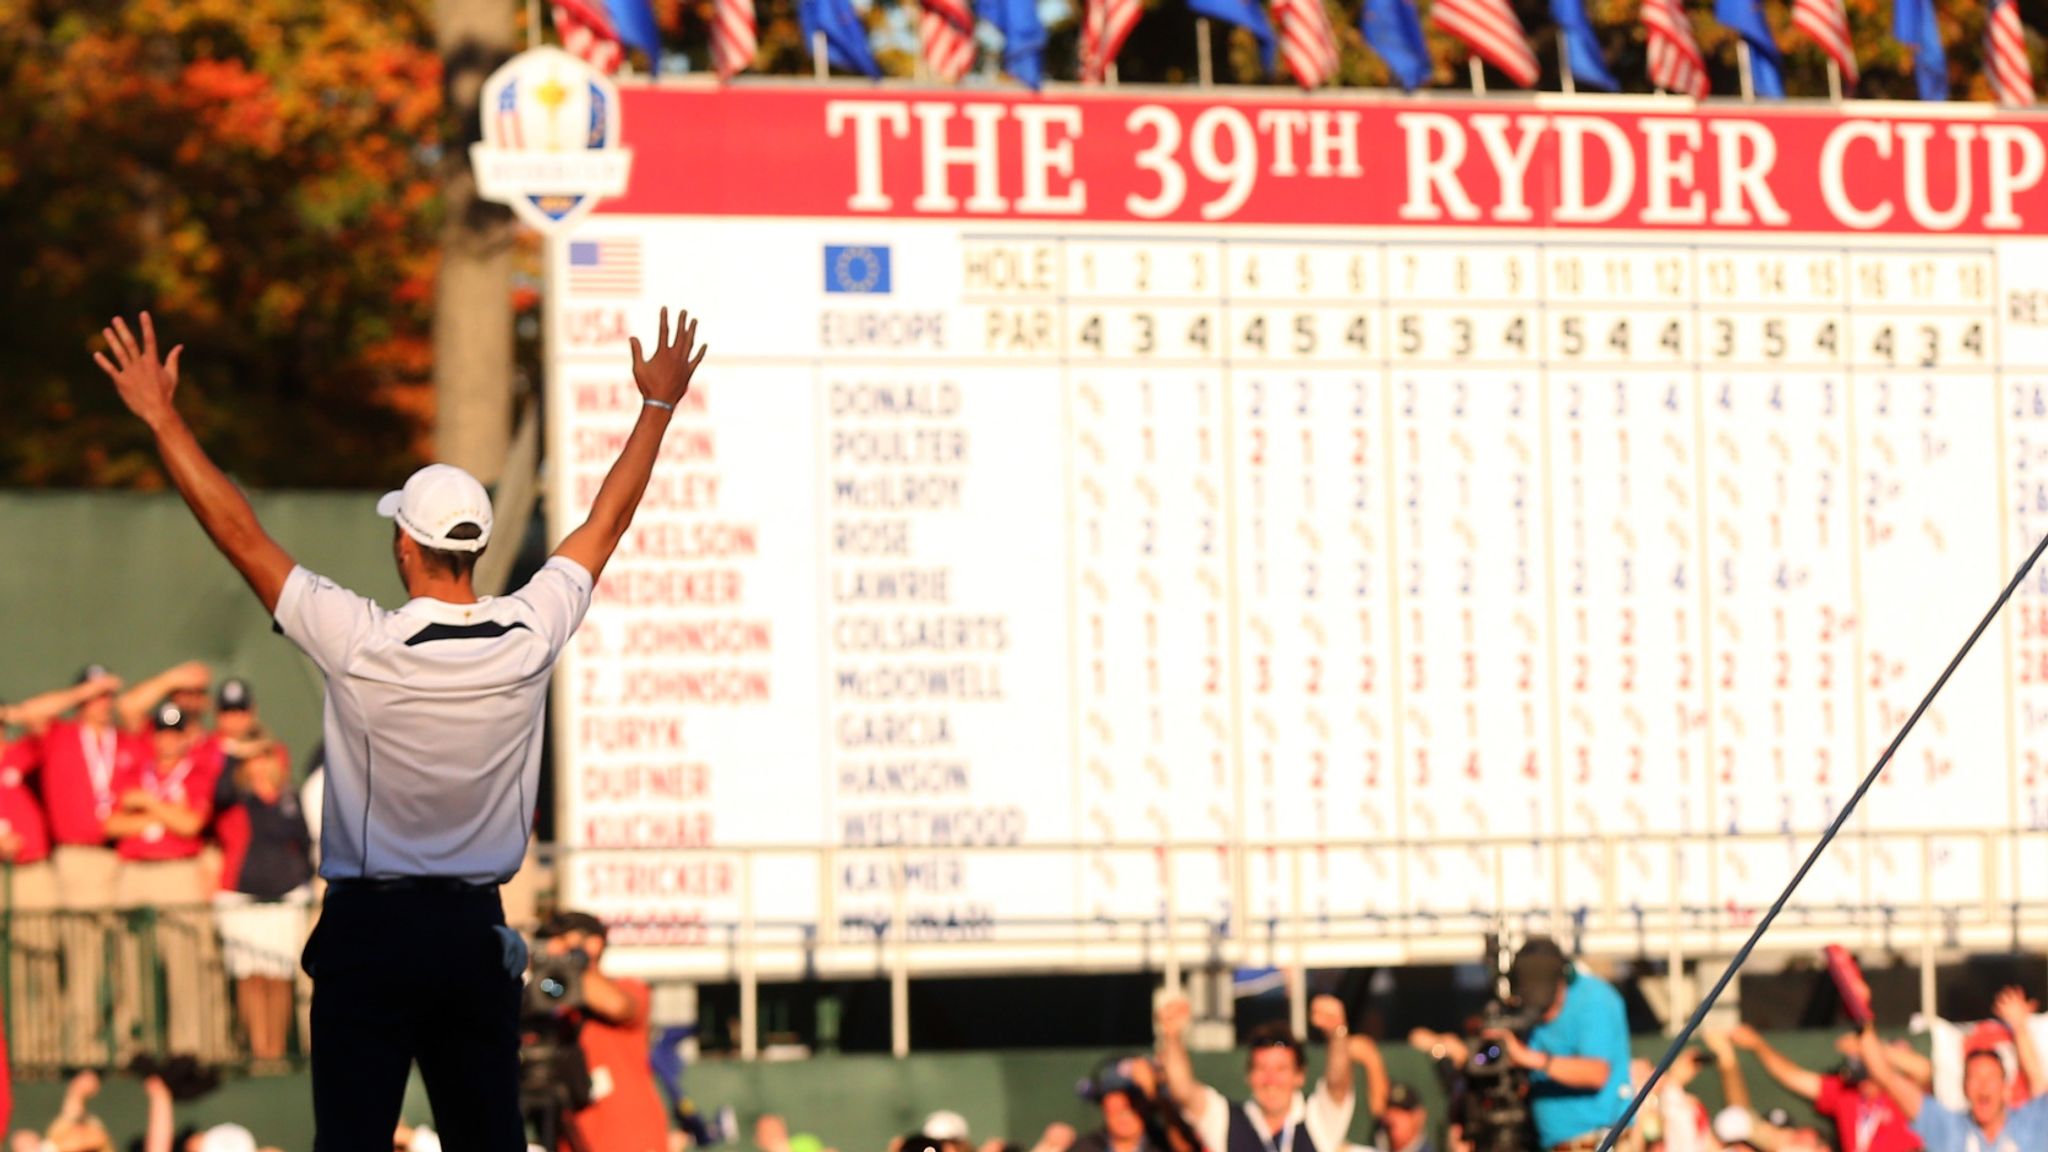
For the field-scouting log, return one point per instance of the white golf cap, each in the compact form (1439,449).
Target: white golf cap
(945,1126)
(434,500)
(227,1138)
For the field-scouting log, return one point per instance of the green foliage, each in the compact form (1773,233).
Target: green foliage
(256,172)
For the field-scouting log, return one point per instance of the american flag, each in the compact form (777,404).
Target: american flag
(947,29)
(1307,41)
(510,134)
(1828,24)
(1105,27)
(733,43)
(2005,48)
(1675,63)
(587,33)
(604,267)
(1491,29)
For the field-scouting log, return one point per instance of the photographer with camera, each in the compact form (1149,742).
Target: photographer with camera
(1277,1118)
(621,1109)
(1576,1053)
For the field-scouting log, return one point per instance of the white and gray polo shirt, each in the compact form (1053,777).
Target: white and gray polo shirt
(433,722)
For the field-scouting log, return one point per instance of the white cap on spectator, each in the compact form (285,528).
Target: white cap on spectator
(945,1126)
(434,500)
(424,1139)
(1733,1125)
(227,1138)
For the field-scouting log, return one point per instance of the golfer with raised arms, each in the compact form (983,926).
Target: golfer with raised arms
(433,730)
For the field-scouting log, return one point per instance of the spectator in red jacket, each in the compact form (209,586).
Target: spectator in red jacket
(163,798)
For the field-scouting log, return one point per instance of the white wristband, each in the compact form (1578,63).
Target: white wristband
(661,404)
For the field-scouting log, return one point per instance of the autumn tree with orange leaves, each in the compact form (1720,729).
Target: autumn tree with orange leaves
(257,172)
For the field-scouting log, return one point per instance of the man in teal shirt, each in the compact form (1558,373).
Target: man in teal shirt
(1576,1056)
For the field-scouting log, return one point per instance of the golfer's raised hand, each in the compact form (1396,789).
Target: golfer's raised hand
(665,376)
(145,381)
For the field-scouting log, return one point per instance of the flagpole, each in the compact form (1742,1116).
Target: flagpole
(1204,70)
(1564,65)
(1478,75)
(532,24)
(919,73)
(1834,82)
(820,67)
(1742,66)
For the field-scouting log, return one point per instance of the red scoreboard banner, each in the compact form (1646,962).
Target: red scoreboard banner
(1238,160)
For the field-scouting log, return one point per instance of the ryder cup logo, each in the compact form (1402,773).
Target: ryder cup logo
(551,139)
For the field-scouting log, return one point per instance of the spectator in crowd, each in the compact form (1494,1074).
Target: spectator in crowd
(1277,1116)
(75,1128)
(76,759)
(163,1134)
(1865,1117)
(772,1134)
(1447,1056)
(228,832)
(1673,1119)
(1365,1054)
(32,896)
(1738,1124)
(163,797)
(266,880)
(1988,1123)
(1126,1113)
(1404,1122)
(950,1129)
(625,1112)
(1136,1117)
(1577,1055)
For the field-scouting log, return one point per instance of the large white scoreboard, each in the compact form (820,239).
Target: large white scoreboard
(1412,510)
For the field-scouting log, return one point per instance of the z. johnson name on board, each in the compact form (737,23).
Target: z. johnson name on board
(1558,163)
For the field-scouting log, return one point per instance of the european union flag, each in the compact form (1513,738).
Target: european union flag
(846,35)
(633,20)
(1023,39)
(1913,23)
(1746,17)
(1245,14)
(857,268)
(1582,48)
(1395,32)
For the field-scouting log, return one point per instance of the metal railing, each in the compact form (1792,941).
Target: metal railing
(1667,898)
(99,988)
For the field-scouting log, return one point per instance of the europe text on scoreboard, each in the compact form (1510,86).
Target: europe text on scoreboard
(1545,506)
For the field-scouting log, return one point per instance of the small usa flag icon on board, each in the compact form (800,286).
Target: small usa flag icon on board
(604,267)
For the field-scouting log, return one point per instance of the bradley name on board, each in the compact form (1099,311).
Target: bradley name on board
(680,490)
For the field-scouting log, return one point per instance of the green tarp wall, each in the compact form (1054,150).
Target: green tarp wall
(854,1103)
(131,582)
